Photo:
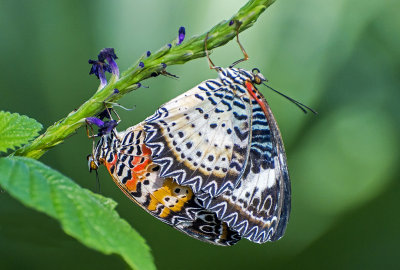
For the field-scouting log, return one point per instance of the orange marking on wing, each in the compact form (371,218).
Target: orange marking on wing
(167,196)
(141,166)
(131,184)
(110,164)
(146,151)
(154,202)
(252,91)
(136,160)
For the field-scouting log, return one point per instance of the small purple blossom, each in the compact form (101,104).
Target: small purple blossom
(107,127)
(181,35)
(141,64)
(104,114)
(104,127)
(163,65)
(99,68)
(116,91)
(148,53)
(108,54)
(94,121)
(231,22)
(169,45)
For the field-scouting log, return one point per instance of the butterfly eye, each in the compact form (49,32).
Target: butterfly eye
(258,77)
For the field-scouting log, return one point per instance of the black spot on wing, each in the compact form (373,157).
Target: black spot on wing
(239,116)
(241,135)
(199,96)
(213,102)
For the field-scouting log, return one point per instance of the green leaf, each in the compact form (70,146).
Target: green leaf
(16,130)
(88,217)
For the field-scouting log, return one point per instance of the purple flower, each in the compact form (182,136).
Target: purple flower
(107,127)
(148,53)
(108,54)
(141,64)
(181,35)
(104,114)
(163,65)
(99,68)
(94,121)
(104,127)
(231,22)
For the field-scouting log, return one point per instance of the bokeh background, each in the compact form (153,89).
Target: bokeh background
(340,57)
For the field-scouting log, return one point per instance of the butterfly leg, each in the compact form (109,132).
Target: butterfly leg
(89,126)
(210,63)
(245,55)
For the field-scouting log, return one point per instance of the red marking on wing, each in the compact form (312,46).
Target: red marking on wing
(141,166)
(146,151)
(137,162)
(112,163)
(253,93)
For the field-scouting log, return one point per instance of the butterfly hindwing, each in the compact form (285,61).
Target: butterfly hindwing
(258,208)
(129,162)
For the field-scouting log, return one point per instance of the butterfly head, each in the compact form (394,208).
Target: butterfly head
(258,78)
(99,152)
(239,75)
(92,163)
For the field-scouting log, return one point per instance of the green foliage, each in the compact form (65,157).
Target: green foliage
(89,218)
(16,130)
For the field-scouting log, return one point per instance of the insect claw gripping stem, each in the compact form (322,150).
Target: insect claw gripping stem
(245,55)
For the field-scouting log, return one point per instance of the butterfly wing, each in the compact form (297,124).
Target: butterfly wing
(130,165)
(201,138)
(258,208)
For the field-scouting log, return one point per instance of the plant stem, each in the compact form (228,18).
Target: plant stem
(188,50)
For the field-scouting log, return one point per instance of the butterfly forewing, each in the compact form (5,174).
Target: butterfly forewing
(201,138)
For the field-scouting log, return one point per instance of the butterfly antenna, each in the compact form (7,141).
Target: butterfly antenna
(295,102)
(98,182)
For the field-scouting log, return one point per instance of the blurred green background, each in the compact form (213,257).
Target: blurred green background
(340,57)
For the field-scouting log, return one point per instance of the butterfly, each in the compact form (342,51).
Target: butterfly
(210,162)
